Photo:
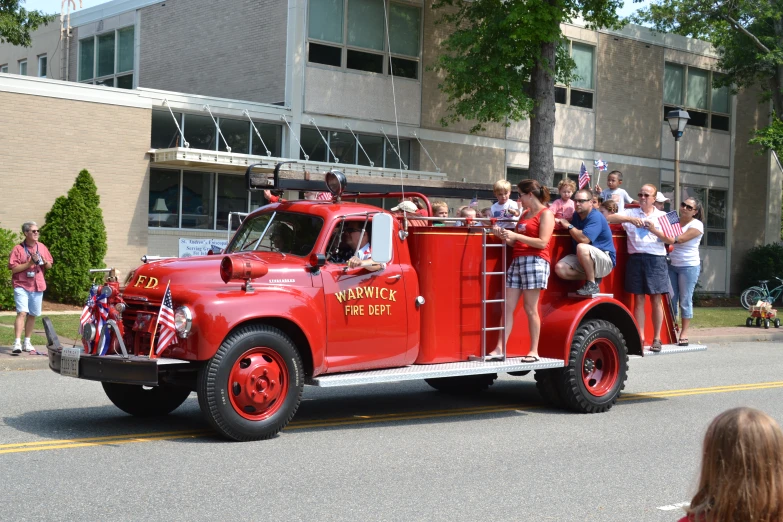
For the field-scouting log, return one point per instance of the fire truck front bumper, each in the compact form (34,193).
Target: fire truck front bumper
(73,362)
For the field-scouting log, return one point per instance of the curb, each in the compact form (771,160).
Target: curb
(717,338)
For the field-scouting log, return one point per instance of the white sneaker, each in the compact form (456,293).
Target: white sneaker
(28,347)
(17,346)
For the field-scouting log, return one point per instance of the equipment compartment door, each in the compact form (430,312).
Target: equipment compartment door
(366,317)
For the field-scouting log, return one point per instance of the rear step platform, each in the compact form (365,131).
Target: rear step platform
(668,349)
(432,371)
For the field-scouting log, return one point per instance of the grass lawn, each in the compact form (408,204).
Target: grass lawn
(7,338)
(709,317)
(66,326)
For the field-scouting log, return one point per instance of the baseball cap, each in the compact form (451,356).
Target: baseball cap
(407,206)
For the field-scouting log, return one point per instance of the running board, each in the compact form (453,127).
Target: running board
(668,349)
(432,371)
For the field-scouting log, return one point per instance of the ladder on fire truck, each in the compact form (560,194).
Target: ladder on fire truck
(486,301)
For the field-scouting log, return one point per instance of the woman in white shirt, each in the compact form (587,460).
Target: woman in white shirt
(686,263)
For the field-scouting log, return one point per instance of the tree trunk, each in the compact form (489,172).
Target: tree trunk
(542,121)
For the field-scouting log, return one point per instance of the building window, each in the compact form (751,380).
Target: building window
(198,200)
(351,34)
(4,68)
(714,210)
(107,59)
(691,88)
(23,67)
(581,92)
(42,66)
(344,146)
(201,134)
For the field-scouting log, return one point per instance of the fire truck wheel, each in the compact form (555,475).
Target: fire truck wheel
(252,386)
(597,367)
(548,383)
(145,402)
(465,385)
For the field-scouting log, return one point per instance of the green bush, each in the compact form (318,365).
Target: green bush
(8,240)
(76,236)
(762,262)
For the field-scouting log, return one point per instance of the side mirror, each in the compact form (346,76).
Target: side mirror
(382,233)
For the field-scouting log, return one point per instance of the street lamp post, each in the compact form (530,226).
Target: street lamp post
(677,119)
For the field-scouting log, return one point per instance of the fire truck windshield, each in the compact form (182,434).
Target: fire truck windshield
(284,232)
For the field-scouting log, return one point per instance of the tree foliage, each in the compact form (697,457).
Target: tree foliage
(8,239)
(16,22)
(748,35)
(503,58)
(76,236)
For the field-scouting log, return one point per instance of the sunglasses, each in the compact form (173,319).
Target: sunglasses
(686,206)
(582,200)
(642,195)
(34,231)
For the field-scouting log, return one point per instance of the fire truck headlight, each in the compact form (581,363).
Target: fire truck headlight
(183,320)
(88,332)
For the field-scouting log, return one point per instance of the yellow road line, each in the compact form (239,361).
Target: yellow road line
(361,419)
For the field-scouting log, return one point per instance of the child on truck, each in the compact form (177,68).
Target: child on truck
(614,192)
(439,210)
(563,208)
(504,208)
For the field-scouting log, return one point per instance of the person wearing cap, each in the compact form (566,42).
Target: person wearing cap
(660,200)
(409,207)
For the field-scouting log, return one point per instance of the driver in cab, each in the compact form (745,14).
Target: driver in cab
(359,243)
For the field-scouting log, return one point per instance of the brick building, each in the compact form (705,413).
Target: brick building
(285,76)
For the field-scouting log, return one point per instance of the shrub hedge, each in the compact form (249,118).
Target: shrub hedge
(762,262)
(75,234)
(8,239)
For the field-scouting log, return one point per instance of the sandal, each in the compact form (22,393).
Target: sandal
(656,345)
(683,341)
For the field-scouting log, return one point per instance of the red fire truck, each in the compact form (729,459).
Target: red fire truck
(280,309)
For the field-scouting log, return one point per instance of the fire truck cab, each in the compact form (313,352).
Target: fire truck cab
(282,308)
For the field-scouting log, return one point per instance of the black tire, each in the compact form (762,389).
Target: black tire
(777,323)
(749,321)
(464,385)
(251,347)
(758,321)
(750,296)
(519,374)
(766,323)
(609,364)
(145,402)
(548,383)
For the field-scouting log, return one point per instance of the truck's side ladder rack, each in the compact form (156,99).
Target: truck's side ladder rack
(485,301)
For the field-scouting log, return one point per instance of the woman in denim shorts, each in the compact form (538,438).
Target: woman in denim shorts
(529,269)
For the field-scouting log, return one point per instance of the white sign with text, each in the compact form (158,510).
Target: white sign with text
(189,247)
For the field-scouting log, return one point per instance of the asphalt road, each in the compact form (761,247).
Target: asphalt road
(386,452)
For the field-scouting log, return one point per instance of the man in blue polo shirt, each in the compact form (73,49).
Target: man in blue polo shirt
(595,254)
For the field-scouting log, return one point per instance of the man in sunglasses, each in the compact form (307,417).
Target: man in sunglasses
(357,242)
(592,237)
(646,271)
(27,263)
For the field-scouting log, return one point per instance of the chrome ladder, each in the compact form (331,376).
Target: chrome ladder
(485,302)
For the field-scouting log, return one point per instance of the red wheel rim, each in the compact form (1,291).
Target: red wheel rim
(258,383)
(600,367)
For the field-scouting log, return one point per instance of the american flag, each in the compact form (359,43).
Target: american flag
(102,343)
(670,224)
(474,203)
(601,164)
(87,311)
(584,176)
(168,333)
(324,196)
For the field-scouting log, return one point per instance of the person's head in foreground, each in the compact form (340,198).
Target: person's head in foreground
(741,471)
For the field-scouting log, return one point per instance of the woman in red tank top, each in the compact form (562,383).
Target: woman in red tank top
(530,268)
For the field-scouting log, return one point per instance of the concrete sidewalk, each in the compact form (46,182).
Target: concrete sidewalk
(708,336)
